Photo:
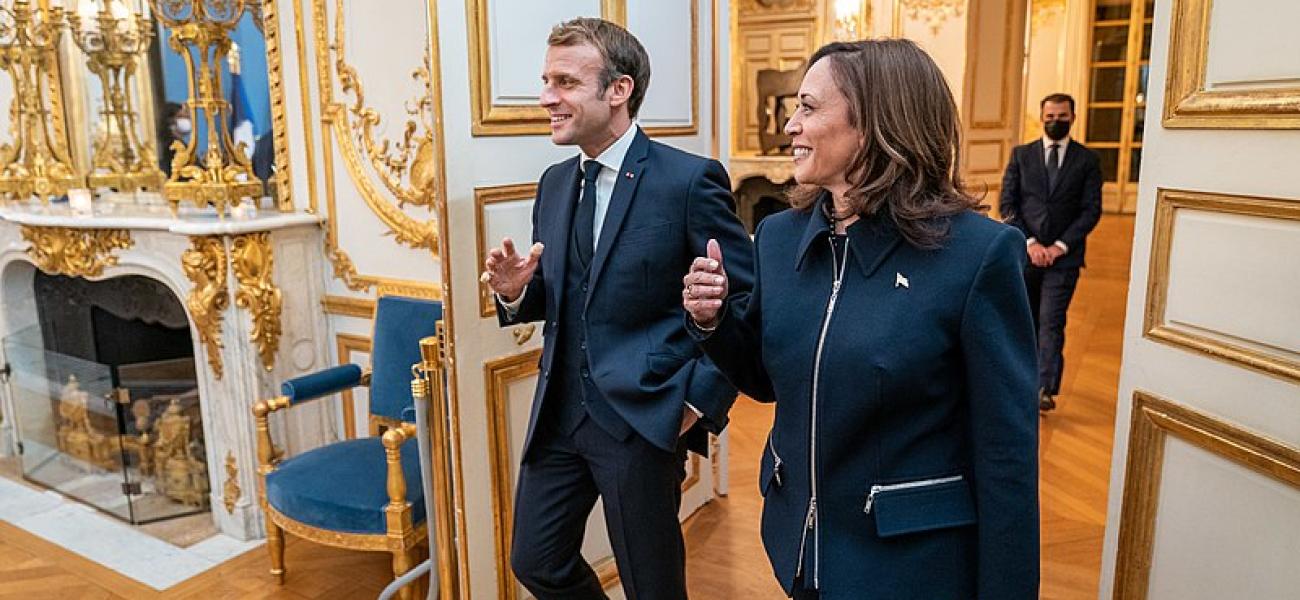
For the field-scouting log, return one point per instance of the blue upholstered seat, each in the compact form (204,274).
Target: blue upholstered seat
(343,486)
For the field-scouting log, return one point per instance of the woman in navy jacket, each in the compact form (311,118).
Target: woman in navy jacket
(889,322)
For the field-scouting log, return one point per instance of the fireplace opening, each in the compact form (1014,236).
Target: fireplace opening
(106,397)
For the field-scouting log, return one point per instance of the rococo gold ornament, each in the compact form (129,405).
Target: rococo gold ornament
(252,261)
(205,266)
(221,175)
(230,491)
(75,252)
(37,161)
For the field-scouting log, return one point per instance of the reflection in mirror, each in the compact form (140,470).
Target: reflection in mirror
(198,87)
(113,41)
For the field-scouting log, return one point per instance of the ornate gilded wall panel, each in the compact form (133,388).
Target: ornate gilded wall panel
(252,262)
(409,170)
(75,252)
(205,266)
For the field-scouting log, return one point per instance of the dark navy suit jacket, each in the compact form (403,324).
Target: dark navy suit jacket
(666,206)
(926,382)
(1068,212)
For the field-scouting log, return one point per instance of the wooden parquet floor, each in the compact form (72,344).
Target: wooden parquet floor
(725,556)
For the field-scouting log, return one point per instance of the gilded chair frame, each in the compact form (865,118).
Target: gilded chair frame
(402,538)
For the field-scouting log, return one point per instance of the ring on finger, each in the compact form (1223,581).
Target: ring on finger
(690,290)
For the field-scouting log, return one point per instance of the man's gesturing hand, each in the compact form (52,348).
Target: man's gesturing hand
(507,272)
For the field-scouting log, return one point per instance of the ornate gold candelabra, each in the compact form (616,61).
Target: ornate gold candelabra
(221,175)
(113,44)
(37,161)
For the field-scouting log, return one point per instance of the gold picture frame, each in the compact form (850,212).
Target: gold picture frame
(1190,104)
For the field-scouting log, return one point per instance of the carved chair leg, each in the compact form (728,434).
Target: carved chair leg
(403,561)
(275,544)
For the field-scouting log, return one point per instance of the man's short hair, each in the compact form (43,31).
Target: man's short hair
(1068,99)
(622,53)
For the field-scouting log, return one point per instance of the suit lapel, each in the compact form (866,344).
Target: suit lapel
(627,180)
(1039,162)
(564,190)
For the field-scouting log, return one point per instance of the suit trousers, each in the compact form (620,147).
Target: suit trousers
(1050,292)
(640,486)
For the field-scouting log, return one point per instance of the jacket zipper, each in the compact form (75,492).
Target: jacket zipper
(776,460)
(810,520)
(876,489)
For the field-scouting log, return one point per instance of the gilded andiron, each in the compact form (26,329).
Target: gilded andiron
(114,41)
(37,161)
(221,176)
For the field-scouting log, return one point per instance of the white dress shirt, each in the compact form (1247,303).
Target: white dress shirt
(1063,143)
(611,161)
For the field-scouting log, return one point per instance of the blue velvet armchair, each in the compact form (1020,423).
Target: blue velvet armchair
(360,494)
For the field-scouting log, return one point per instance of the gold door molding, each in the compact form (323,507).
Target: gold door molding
(205,266)
(482,198)
(511,119)
(75,252)
(347,344)
(1157,328)
(1154,420)
(1190,104)
(411,170)
(498,374)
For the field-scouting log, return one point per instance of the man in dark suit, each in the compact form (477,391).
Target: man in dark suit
(623,390)
(1052,192)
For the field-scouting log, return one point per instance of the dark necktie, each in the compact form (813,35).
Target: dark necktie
(1053,166)
(584,221)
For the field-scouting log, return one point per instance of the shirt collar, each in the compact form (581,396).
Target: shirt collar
(612,157)
(1047,142)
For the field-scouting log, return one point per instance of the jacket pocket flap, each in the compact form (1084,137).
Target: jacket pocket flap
(923,508)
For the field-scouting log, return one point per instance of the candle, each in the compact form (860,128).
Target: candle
(242,211)
(79,202)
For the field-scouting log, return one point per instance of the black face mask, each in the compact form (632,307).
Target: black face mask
(1057,129)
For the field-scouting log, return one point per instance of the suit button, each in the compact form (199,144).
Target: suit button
(584,288)
(546,374)
(585,373)
(583,346)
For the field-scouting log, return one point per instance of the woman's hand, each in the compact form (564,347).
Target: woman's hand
(705,288)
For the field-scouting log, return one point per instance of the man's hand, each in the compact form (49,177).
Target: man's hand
(1039,256)
(507,272)
(1054,252)
(688,421)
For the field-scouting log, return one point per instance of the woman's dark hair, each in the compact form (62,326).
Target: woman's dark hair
(909,167)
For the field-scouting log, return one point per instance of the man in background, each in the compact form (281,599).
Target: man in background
(1052,192)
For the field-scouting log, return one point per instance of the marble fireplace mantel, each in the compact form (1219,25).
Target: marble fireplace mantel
(252,291)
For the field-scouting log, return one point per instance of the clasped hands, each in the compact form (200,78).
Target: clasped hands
(1043,256)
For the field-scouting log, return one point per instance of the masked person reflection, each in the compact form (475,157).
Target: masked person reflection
(888,321)
(177,127)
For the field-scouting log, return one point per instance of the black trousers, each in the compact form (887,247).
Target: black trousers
(640,486)
(1050,292)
